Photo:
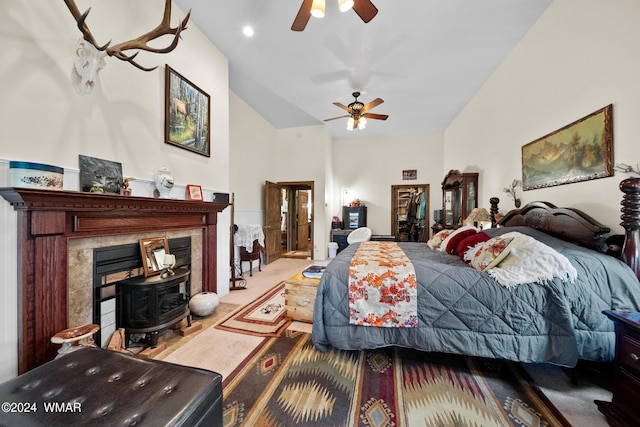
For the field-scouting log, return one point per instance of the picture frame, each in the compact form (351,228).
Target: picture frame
(409,174)
(187,114)
(194,193)
(579,151)
(153,251)
(99,175)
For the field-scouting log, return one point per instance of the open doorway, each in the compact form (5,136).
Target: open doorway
(290,203)
(297,220)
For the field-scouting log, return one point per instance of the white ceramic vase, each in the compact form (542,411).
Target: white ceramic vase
(164,182)
(204,303)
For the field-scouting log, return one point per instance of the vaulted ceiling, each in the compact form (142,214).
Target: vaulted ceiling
(425,58)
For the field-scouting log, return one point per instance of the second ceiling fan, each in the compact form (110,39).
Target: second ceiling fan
(358,112)
(364,8)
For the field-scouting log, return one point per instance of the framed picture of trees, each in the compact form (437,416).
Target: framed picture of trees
(187,110)
(580,151)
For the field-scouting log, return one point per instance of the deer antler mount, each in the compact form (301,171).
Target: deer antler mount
(90,55)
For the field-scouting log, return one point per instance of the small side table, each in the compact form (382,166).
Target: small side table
(623,410)
(73,338)
(300,297)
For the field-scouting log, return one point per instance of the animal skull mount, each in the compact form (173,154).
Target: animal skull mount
(88,62)
(90,57)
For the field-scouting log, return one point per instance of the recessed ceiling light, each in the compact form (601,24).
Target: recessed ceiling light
(247,31)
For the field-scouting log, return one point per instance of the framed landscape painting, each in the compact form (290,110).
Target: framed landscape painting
(580,151)
(187,110)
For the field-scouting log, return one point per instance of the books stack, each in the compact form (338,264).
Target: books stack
(314,271)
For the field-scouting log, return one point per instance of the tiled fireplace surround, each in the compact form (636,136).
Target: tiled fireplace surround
(61,228)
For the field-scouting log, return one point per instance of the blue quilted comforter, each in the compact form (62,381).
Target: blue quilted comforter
(465,311)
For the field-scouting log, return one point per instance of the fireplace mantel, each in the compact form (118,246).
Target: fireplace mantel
(48,218)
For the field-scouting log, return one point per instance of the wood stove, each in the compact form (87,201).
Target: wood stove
(151,304)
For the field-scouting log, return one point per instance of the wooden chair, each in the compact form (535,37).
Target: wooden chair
(250,256)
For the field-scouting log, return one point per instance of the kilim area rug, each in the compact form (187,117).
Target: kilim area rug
(286,382)
(265,316)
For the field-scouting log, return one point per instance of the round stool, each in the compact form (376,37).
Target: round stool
(204,303)
(74,338)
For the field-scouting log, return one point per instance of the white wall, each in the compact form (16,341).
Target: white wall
(44,119)
(366,169)
(579,57)
(302,156)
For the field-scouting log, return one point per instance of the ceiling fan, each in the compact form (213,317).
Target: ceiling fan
(364,8)
(358,112)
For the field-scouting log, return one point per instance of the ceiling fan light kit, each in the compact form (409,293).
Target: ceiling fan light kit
(318,8)
(363,8)
(345,5)
(358,114)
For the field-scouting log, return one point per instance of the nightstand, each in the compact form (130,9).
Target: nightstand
(624,410)
(300,297)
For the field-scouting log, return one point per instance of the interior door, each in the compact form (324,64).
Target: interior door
(273,221)
(303,220)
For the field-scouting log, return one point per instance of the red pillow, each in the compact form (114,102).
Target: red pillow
(469,242)
(456,238)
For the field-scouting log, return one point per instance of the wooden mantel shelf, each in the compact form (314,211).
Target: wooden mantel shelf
(48,218)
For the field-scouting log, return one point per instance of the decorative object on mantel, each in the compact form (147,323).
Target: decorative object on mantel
(580,151)
(163,181)
(204,303)
(512,191)
(194,193)
(126,190)
(90,55)
(99,175)
(35,175)
(186,114)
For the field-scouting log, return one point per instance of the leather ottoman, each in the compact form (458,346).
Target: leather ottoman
(98,387)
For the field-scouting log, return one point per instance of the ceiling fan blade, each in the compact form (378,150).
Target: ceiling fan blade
(375,116)
(344,107)
(303,16)
(365,9)
(372,104)
(335,118)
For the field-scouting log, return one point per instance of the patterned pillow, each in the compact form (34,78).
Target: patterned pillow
(469,242)
(445,244)
(438,238)
(492,252)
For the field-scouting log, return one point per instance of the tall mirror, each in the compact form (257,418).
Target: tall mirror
(153,251)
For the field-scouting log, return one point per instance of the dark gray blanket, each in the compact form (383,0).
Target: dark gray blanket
(465,311)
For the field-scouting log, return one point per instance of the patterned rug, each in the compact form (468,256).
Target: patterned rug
(286,382)
(265,316)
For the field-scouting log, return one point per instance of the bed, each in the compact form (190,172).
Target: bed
(463,310)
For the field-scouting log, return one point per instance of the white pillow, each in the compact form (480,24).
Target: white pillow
(445,242)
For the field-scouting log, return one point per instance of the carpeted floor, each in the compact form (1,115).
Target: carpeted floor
(288,382)
(224,351)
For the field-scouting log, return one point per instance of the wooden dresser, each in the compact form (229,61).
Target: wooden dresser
(624,409)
